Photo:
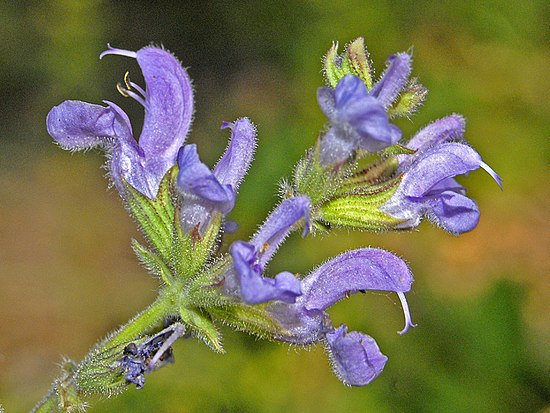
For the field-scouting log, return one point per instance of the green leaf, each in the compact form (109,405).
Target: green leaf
(153,263)
(202,326)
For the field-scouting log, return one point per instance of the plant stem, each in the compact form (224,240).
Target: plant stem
(142,323)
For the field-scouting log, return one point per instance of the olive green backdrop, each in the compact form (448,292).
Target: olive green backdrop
(481,300)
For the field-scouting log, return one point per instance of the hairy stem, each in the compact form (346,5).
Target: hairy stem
(64,392)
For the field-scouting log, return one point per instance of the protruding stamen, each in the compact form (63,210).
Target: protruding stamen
(130,94)
(406,312)
(127,81)
(120,52)
(493,174)
(138,88)
(121,90)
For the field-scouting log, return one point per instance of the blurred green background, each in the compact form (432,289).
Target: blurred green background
(482,300)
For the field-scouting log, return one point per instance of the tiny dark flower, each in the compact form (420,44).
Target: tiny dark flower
(138,360)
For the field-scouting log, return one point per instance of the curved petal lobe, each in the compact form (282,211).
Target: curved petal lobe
(353,271)
(355,356)
(169,108)
(255,289)
(77,125)
(237,158)
(195,178)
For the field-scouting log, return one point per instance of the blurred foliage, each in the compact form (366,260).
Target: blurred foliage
(481,300)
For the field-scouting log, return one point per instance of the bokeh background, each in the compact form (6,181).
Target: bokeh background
(481,300)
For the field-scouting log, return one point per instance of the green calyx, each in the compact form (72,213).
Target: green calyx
(354,61)
(343,196)
(410,99)
(172,254)
(357,201)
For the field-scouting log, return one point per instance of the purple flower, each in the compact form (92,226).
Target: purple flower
(428,187)
(356,358)
(204,191)
(358,118)
(357,121)
(393,80)
(449,128)
(245,278)
(168,103)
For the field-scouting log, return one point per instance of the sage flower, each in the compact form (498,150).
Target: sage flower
(245,278)
(168,103)
(356,357)
(357,121)
(428,188)
(204,191)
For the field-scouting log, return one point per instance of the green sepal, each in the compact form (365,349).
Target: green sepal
(354,61)
(155,217)
(153,263)
(397,150)
(252,319)
(315,180)
(358,57)
(202,327)
(100,372)
(409,100)
(373,179)
(361,210)
(191,251)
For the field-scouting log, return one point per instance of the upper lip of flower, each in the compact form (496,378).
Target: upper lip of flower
(168,102)
(358,121)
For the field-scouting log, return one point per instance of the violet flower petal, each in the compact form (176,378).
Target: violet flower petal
(454,212)
(195,178)
(169,108)
(357,270)
(77,125)
(234,164)
(168,111)
(358,121)
(278,225)
(353,271)
(394,79)
(446,129)
(255,289)
(428,188)
(356,358)
(438,163)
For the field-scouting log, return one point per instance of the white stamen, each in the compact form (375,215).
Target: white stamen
(128,93)
(491,172)
(138,88)
(120,52)
(406,312)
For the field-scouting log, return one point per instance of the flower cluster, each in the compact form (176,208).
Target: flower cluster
(180,204)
